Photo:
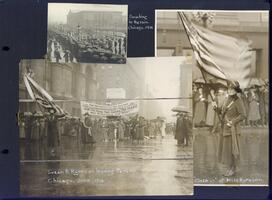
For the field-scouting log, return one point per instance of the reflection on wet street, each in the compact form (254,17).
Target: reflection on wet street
(153,167)
(253,167)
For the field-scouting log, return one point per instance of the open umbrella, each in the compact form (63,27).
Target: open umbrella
(180,109)
(199,81)
(219,82)
(256,81)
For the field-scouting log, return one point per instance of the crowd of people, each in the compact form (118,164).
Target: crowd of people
(49,126)
(226,109)
(85,46)
(255,102)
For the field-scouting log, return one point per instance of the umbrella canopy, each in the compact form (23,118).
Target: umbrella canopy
(219,82)
(199,81)
(161,118)
(180,109)
(28,114)
(256,81)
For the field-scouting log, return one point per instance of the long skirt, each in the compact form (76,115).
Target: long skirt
(105,133)
(141,133)
(199,112)
(225,155)
(210,115)
(254,111)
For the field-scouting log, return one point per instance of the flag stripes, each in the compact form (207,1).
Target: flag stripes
(222,56)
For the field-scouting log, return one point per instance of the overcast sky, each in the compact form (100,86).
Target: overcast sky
(57,12)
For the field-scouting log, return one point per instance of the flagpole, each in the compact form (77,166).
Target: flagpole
(194,50)
(197,63)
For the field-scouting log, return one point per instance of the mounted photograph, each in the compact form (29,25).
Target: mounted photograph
(229,54)
(99,130)
(87,33)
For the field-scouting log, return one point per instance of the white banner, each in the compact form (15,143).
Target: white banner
(126,108)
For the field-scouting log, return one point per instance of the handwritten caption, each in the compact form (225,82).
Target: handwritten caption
(77,176)
(139,23)
(228,180)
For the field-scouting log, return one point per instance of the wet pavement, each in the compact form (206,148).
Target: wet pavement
(253,167)
(153,167)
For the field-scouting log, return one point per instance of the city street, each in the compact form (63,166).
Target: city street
(254,158)
(154,167)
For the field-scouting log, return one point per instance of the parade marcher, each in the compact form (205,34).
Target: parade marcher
(151,129)
(121,130)
(200,108)
(57,55)
(254,109)
(163,126)
(183,129)
(141,128)
(266,100)
(87,129)
(158,127)
(22,127)
(35,131)
(104,130)
(210,112)
(53,140)
(66,56)
(231,114)
(111,131)
(219,99)
(261,94)
(42,128)
(244,97)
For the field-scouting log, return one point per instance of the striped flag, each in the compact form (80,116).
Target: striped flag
(218,55)
(40,95)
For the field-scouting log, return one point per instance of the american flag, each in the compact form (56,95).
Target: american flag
(40,95)
(219,55)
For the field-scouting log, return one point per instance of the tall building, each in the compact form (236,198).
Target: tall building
(98,20)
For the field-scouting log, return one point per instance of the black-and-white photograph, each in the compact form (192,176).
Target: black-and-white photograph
(229,53)
(87,33)
(97,129)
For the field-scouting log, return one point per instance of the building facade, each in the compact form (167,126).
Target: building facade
(98,20)
(253,26)
(66,83)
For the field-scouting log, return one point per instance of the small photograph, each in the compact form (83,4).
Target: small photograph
(97,130)
(87,33)
(229,54)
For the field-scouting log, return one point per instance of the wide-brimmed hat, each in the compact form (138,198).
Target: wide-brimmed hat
(86,114)
(235,85)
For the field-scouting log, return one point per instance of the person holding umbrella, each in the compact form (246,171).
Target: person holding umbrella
(183,126)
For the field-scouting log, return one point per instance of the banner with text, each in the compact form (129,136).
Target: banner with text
(125,108)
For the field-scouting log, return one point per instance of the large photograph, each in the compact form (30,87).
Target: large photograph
(97,129)
(229,54)
(87,33)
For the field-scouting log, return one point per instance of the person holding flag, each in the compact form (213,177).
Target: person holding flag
(223,59)
(231,113)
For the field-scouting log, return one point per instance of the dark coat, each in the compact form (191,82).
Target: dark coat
(232,110)
(183,128)
(229,141)
(53,135)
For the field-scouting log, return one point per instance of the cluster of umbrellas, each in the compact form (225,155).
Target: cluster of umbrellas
(257,82)
(217,83)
